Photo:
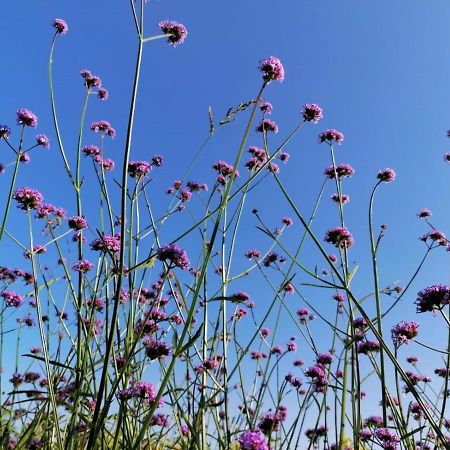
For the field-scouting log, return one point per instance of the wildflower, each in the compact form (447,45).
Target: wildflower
(267,125)
(156,349)
(43,140)
(139,169)
(102,94)
(91,150)
(447,157)
(424,213)
(31,377)
(368,347)
(37,249)
(107,164)
(388,439)
(331,136)
(435,236)
(224,168)
(16,379)
(60,26)
(160,420)
(404,332)
(312,113)
(77,223)
(374,421)
(265,332)
(442,372)
(106,244)
(416,411)
(340,237)
(90,81)
(146,391)
(82,266)
(272,69)
(315,434)
(175,254)
(412,360)
(318,377)
(324,359)
(240,297)
(24,158)
(270,258)
(340,171)
(269,422)
(176,31)
(266,108)
(27,118)
(253,253)
(289,288)
(157,160)
(252,440)
(432,298)
(185,195)
(103,127)
(343,199)
(12,299)
(291,346)
(284,157)
(386,175)
(193,186)
(27,198)
(5,132)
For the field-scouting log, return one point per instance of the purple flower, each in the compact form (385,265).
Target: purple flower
(287,221)
(90,81)
(145,391)
(12,299)
(266,108)
(103,93)
(157,160)
(139,169)
(176,31)
(386,175)
(106,244)
(342,170)
(432,298)
(291,346)
(404,332)
(339,237)
(267,125)
(272,69)
(28,198)
(103,126)
(253,253)
(5,132)
(43,140)
(270,258)
(331,136)
(312,113)
(27,118)
(253,440)
(344,198)
(156,349)
(175,255)
(388,439)
(368,347)
(83,266)
(374,421)
(424,213)
(91,150)
(60,26)
(193,186)
(107,164)
(77,223)
(435,236)
(324,359)
(447,157)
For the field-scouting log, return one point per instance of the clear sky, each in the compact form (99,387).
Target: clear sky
(380,70)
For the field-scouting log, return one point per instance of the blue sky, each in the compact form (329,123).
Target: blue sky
(380,70)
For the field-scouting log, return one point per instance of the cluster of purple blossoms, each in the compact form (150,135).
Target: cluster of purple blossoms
(433,298)
(447,157)
(252,253)
(155,349)
(12,299)
(60,26)
(141,390)
(404,332)
(194,186)
(270,258)
(106,244)
(424,213)
(47,209)
(259,157)
(271,421)
(312,113)
(139,169)
(82,266)
(5,132)
(367,347)
(176,31)
(267,125)
(37,250)
(93,151)
(160,420)
(416,411)
(331,136)
(157,160)
(340,237)
(314,434)
(324,359)
(43,141)
(28,198)
(224,170)
(104,127)
(373,421)
(435,236)
(386,175)
(343,199)
(93,81)
(253,440)
(442,372)
(26,118)
(266,108)
(340,171)
(388,439)
(272,69)
(77,223)
(175,255)
(318,376)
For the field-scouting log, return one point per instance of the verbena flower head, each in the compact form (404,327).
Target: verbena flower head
(435,236)
(60,26)
(447,157)
(331,136)
(139,169)
(77,223)
(5,132)
(339,237)
(388,439)
(106,244)
(272,69)
(157,160)
(343,199)
(267,125)
(176,30)
(253,440)
(12,299)
(102,93)
(43,140)
(26,118)
(83,266)
(90,80)
(104,127)
(266,108)
(386,175)
(433,298)
(342,171)
(27,198)
(91,150)
(404,332)
(175,255)
(424,213)
(312,113)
